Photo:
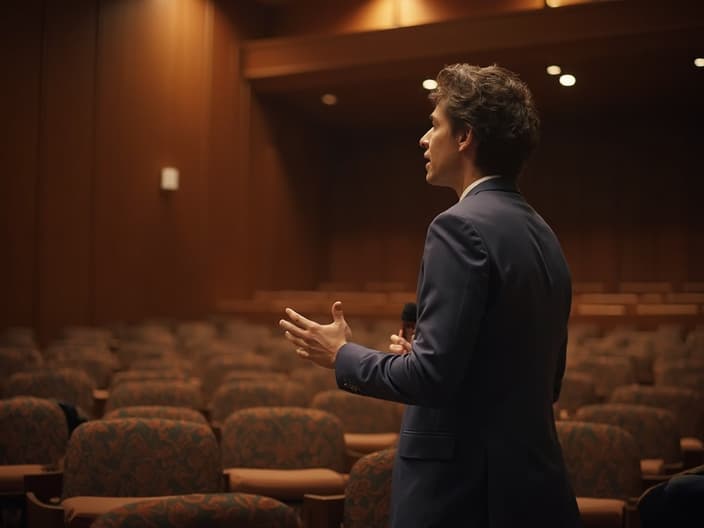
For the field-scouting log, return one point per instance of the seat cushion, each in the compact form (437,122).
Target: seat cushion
(369,443)
(652,466)
(82,511)
(601,513)
(12,477)
(286,484)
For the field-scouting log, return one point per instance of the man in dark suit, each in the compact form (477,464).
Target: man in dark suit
(478,443)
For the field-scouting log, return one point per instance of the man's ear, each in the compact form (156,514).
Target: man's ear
(464,139)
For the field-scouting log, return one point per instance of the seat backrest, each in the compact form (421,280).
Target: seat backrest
(157,411)
(608,372)
(71,386)
(138,457)
(577,389)
(236,395)
(359,414)
(687,404)
(126,376)
(218,510)
(654,430)
(158,392)
(314,379)
(283,438)
(368,491)
(602,460)
(34,431)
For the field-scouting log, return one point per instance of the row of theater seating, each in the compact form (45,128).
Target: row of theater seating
(162,347)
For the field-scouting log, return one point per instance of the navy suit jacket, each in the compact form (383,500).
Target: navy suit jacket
(478,441)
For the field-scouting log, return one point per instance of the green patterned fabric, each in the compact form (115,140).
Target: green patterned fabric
(67,385)
(158,392)
(34,431)
(602,460)
(283,438)
(221,510)
(138,457)
(314,379)
(217,367)
(654,430)
(237,395)
(157,411)
(688,405)
(359,414)
(368,492)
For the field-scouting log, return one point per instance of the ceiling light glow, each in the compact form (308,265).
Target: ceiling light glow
(567,80)
(430,84)
(552,3)
(329,99)
(699,62)
(553,69)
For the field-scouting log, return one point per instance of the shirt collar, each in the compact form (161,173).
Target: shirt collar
(477,182)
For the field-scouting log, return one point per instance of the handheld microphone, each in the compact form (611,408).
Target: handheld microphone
(409,315)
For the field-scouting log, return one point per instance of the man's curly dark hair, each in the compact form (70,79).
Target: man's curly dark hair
(499,109)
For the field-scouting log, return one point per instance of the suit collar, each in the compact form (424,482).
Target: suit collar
(495,184)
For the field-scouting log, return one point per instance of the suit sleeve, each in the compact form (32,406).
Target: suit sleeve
(452,297)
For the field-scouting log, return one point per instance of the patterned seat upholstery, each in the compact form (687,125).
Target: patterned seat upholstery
(67,385)
(141,457)
(370,424)
(159,392)
(113,462)
(34,431)
(237,395)
(688,405)
(602,460)
(157,411)
(654,430)
(17,359)
(314,379)
(219,365)
(147,375)
(221,510)
(368,492)
(99,369)
(608,372)
(284,452)
(577,389)
(685,373)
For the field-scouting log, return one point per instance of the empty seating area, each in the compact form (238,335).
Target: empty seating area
(131,420)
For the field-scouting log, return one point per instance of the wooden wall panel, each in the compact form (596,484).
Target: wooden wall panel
(152,110)
(20,61)
(65,198)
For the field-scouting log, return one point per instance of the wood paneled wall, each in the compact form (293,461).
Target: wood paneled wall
(97,96)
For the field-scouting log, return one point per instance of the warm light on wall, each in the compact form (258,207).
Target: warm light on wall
(568,80)
(430,84)
(699,62)
(553,69)
(329,99)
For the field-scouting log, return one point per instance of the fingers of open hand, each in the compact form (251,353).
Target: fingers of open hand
(299,319)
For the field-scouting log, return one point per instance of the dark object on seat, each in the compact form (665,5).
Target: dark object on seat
(677,503)
(74,416)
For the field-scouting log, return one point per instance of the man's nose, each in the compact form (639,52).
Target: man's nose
(424,141)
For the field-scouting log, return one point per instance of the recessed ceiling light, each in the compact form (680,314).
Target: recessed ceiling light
(699,62)
(567,80)
(329,99)
(553,69)
(430,84)
(552,3)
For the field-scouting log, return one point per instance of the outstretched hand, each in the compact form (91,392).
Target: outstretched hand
(316,342)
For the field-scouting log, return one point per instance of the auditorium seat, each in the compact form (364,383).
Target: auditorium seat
(366,501)
(577,389)
(70,386)
(158,411)
(608,372)
(218,510)
(217,367)
(114,462)
(284,452)
(603,464)
(370,424)
(236,395)
(655,431)
(314,379)
(158,392)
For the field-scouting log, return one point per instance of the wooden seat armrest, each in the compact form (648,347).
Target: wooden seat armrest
(42,515)
(322,511)
(44,486)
